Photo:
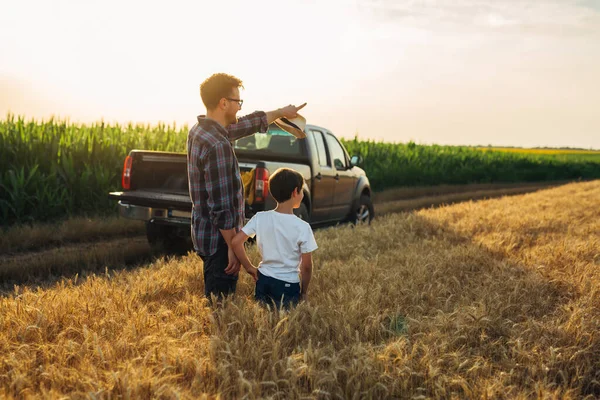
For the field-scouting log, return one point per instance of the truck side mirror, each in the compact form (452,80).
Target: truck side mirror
(355,161)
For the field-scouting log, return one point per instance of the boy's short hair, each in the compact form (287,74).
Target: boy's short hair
(216,87)
(283,183)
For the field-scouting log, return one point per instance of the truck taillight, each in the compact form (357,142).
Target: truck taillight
(126,181)
(261,184)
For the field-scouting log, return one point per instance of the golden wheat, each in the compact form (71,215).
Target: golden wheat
(495,299)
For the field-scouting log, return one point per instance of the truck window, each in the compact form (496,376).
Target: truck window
(321,151)
(275,140)
(337,153)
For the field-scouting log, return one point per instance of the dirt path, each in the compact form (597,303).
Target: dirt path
(72,258)
(96,255)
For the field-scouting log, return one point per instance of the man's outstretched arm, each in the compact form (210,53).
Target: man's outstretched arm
(248,125)
(259,121)
(285,112)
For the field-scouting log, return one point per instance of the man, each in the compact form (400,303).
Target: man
(214,177)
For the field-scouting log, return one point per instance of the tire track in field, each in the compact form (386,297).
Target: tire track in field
(31,267)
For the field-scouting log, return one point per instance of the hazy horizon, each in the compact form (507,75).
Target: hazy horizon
(505,73)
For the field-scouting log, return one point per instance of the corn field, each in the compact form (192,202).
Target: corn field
(397,164)
(54,169)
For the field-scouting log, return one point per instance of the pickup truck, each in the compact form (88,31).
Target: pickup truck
(155,184)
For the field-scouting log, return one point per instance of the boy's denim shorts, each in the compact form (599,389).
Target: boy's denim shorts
(276,292)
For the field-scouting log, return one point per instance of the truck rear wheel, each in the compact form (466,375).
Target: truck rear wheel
(167,239)
(364,211)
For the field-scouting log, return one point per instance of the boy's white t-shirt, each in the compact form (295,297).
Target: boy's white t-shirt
(281,239)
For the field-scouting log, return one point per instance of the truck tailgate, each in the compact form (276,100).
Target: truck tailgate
(151,198)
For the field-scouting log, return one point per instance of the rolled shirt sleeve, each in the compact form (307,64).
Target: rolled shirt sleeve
(220,173)
(248,125)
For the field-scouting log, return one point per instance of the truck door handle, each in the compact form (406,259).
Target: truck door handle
(319,176)
(337,177)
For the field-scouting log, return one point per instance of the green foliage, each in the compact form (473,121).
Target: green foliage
(397,164)
(54,169)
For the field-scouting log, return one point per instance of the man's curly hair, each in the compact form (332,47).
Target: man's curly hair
(216,87)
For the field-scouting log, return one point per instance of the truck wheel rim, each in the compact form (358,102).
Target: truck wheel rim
(363,214)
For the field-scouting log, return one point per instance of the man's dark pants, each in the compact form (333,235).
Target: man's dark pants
(216,281)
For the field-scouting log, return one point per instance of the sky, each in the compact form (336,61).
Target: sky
(469,72)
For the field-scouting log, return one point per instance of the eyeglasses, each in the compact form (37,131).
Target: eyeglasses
(240,102)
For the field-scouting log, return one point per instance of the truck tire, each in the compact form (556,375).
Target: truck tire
(302,213)
(363,212)
(164,239)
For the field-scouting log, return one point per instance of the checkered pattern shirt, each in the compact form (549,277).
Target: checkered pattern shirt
(214,178)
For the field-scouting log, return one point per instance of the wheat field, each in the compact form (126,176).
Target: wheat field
(545,151)
(491,299)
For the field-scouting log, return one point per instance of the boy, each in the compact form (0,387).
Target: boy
(284,241)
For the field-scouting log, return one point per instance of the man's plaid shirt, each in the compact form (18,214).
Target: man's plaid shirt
(214,178)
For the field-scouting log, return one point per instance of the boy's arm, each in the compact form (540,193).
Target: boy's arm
(238,247)
(306,267)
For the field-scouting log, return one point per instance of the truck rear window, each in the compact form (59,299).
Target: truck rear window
(274,141)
